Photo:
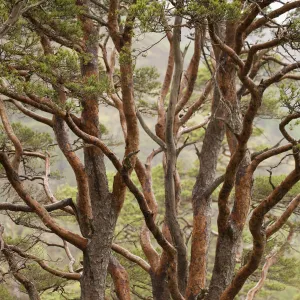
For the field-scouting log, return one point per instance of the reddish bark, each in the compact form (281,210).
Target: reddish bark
(11,135)
(120,278)
(259,235)
(271,259)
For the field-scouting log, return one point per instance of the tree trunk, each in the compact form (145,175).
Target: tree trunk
(159,280)
(208,157)
(170,169)
(229,239)
(96,255)
(227,246)
(202,203)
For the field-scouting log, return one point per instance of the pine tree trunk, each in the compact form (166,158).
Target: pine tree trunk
(224,264)
(96,256)
(160,289)
(214,136)
(229,239)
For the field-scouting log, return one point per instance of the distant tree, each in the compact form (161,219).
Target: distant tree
(57,69)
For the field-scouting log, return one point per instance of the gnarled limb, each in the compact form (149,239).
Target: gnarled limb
(170,189)
(14,269)
(43,265)
(259,234)
(31,114)
(131,257)
(49,208)
(281,221)
(13,17)
(11,135)
(48,221)
(271,259)
(192,71)
(120,278)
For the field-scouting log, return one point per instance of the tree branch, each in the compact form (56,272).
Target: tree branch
(149,132)
(48,221)
(131,257)
(11,135)
(31,114)
(49,208)
(43,265)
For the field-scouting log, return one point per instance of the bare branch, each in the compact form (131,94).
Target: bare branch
(48,221)
(58,273)
(131,257)
(49,208)
(31,114)
(272,15)
(154,137)
(279,75)
(284,217)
